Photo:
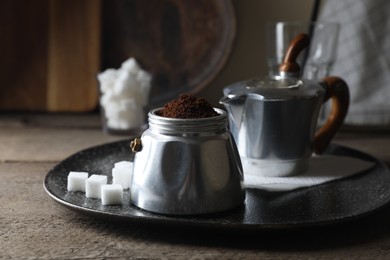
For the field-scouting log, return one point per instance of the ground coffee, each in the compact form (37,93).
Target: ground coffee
(187,106)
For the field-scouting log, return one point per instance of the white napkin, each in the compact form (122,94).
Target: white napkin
(321,169)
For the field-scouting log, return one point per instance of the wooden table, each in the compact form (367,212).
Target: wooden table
(33,226)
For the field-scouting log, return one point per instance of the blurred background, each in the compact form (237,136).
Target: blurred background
(52,50)
(248,57)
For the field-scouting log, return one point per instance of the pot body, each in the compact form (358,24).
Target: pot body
(274,127)
(187,166)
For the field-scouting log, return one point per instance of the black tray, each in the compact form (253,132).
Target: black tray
(325,204)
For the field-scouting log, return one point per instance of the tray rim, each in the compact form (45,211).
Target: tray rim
(211,220)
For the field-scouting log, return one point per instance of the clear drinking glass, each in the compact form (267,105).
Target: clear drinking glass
(317,60)
(121,116)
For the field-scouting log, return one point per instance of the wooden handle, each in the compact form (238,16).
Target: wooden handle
(337,91)
(300,42)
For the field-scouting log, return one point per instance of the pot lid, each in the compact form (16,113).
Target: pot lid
(275,88)
(288,85)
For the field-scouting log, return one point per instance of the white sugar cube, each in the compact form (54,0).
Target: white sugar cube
(122,173)
(93,185)
(112,194)
(126,84)
(122,177)
(144,79)
(131,114)
(114,123)
(125,164)
(109,98)
(112,109)
(76,181)
(130,65)
(125,93)
(107,79)
(124,114)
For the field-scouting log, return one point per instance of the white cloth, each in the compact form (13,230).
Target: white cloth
(322,169)
(363,56)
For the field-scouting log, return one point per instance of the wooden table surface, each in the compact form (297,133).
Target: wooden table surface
(33,226)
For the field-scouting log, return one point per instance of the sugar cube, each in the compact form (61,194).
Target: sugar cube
(112,194)
(107,79)
(130,64)
(76,181)
(123,164)
(93,185)
(121,173)
(109,98)
(125,93)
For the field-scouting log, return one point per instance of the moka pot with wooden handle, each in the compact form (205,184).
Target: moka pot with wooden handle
(274,120)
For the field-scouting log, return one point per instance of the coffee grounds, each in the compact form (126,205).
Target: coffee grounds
(187,106)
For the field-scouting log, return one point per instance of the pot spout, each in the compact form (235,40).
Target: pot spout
(235,107)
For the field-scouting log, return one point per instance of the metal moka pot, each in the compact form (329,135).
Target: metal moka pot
(274,120)
(186,166)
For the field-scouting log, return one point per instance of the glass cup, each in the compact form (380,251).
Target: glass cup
(121,116)
(317,60)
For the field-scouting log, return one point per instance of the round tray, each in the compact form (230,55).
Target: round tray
(325,204)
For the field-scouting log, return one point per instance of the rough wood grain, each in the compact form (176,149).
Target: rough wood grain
(50,55)
(73,55)
(48,145)
(33,226)
(23,66)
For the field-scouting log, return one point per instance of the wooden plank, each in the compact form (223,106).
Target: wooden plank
(33,226)
(23,66)
(50,55)
(43,144)
(55,48)
(73,63)
(51,120)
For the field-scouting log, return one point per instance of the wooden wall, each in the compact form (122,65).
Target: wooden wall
(50,54)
